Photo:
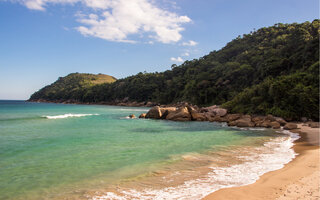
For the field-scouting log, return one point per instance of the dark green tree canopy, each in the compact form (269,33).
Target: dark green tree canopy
(272,70)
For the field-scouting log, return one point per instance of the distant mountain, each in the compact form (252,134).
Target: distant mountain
(273,70)
(71,87)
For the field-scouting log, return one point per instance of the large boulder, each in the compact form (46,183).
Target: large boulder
(196,116)
(258,120)
(244,121)
(218,119)
(232,117)
(165,111)
(266,124)
(182,114)
(154,113)
(214,111)
(290,126)
(208,109)
(275,125)
(281,121)
(232,123)
(143,115)
(271,118)
(219,112)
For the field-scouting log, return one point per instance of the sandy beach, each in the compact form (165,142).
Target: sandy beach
(299,179)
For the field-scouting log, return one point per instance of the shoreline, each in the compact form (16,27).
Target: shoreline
(299,179)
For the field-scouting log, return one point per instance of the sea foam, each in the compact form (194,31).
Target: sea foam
(68,115)
(273,155)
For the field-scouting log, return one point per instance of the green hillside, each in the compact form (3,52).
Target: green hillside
(273,70)
(71,87)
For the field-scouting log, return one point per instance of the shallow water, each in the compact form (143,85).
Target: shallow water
(54,151)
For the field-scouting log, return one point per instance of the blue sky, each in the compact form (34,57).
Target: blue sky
(41,40)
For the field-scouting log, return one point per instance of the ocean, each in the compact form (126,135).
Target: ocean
(67,151)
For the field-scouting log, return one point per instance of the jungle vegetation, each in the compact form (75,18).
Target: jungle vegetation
(273,70)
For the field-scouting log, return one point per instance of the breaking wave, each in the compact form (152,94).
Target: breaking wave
(67,115)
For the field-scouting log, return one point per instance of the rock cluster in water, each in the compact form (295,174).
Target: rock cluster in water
(215,114)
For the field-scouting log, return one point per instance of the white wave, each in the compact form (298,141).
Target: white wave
(67,115)
(272,156)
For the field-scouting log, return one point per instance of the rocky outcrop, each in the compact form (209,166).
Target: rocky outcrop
(165,111)
(181,114)
(154,113)
(132,116)
(281,121)
(232,117)
(290,126)
(214,111)
(220,112)
(195,116)
(244,121)
(275,125)
(215,114)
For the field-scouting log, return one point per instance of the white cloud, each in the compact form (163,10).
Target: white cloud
(178,59)
(116,20)
(186,54)
(190,43)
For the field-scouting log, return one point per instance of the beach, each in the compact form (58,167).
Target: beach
(299,179)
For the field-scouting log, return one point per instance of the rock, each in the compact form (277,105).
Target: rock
(208,109)
(232,123)
(132,116)
(220,112)
(218,119)
(208,116)
(281,121)
(244,121)
(246,117)
(313,124)
(258,120)
(266,124)
(165,111)
(290,126)
(275,125)
(143,115)
(154,113)
(214,110)
(182,114)
(195,116)
(271,118)
(232,117)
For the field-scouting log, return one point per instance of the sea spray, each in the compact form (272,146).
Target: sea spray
(273,155)
(68,115)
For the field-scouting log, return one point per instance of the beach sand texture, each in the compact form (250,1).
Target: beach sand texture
(299,179)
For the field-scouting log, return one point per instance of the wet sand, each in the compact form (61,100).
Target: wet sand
(299,179)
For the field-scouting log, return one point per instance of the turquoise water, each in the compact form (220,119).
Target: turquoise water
(44,154)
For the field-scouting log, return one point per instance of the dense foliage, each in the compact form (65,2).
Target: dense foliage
(72,87)
(272,70)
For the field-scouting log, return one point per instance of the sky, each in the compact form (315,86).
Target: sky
(41,40)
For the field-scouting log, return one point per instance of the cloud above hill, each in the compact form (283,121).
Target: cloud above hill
(117,20)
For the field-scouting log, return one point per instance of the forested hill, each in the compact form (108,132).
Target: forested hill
(273,70)
(71,87)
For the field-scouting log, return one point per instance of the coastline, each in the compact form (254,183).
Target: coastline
(298,179)
(302,146)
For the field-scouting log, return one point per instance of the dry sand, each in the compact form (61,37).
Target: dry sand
(299,179)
